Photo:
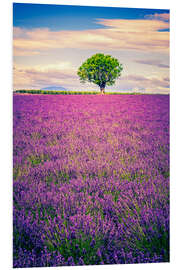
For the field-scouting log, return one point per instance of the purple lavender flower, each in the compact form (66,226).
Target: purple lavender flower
(90,179)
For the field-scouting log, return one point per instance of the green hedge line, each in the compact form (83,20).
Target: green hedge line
(51,92)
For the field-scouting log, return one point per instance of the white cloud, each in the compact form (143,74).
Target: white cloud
(152,62)
(62,74)
(126,34)
(147,83)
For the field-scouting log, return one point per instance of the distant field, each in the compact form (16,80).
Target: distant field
(52,92)
(90,179)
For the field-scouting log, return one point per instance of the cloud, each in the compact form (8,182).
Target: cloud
(134,26)
(166,79)
(152,62)
(119,34)
(162,16)
(154,84)
(62,74)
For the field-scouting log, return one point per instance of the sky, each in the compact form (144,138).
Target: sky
(50,42)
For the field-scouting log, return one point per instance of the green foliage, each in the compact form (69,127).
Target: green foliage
(52,92)
(100,69)
(159,242)
(35,160)
(80,247)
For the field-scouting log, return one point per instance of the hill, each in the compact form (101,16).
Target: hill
(56,88)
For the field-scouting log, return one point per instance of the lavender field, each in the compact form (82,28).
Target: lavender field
(90,179)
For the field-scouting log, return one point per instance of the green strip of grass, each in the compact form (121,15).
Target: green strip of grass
(53,92)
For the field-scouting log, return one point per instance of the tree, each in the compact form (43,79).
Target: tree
(100,69)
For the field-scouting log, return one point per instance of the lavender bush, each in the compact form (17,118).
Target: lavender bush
(90,179)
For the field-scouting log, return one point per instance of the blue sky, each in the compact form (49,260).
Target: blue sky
(62,17)
(54,40)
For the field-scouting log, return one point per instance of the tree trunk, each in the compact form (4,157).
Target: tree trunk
(102,90)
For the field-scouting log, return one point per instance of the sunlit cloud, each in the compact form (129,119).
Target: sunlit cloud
(147,84)
(152,62)
(130,26)
(159,16)
(62,74)
(141,35)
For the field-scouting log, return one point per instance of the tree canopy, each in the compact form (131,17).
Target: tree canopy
(101,70)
